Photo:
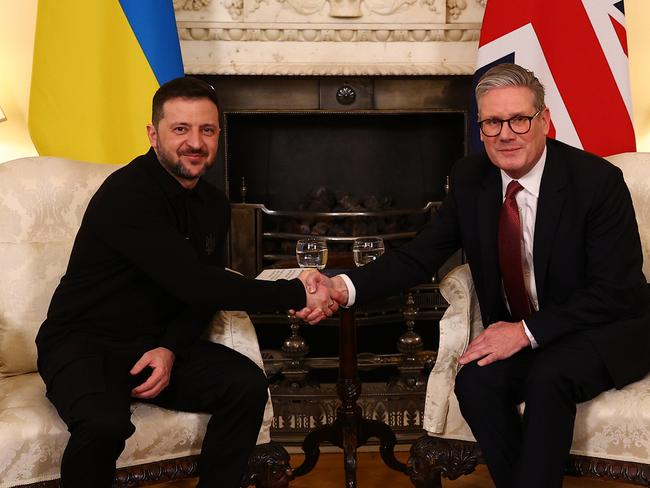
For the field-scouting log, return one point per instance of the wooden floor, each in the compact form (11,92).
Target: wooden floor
(372,473)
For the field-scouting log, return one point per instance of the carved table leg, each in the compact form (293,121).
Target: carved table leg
(310,445)
(350,444)
(268,467)
(348,388)
(387,440)
(350,430)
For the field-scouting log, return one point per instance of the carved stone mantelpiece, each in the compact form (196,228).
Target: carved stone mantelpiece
(329,37)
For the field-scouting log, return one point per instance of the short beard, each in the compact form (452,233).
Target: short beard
(175,167)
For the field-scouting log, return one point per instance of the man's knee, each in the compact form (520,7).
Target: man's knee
(546,380)
(253,384)
(472,382)
(105,429)
(244,387)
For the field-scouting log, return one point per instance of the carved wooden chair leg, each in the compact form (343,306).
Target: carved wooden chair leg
(143,474)
(431,457)
(268,467)
(609,469)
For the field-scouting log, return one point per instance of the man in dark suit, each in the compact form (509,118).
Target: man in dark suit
(550,235)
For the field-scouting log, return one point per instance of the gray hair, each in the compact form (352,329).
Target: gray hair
(508,74)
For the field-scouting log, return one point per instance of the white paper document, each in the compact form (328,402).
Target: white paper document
(279,274)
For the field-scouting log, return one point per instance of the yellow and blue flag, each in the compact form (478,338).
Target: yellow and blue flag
(96,67)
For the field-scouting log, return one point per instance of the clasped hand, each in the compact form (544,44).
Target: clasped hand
(324,295)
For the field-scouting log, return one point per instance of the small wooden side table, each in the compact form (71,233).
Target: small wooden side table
(350,429)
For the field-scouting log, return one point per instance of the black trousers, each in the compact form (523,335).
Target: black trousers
(532,451)
(92,394)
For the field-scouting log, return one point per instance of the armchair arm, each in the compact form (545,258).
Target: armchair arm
(458,326)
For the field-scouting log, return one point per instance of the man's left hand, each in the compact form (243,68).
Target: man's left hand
(499,341)
(160,360)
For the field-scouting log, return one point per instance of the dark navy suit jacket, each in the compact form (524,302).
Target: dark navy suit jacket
(587,255)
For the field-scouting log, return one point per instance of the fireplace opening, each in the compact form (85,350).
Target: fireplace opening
(337,174)
(280,158)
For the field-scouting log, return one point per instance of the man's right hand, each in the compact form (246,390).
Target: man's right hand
(320,288)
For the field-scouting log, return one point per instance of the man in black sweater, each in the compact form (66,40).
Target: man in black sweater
(145,276)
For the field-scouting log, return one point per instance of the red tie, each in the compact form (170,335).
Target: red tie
(510,260)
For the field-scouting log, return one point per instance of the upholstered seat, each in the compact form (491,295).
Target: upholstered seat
(42,201)
(612,431)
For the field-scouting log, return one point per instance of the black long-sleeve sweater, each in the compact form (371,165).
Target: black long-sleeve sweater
(147,265)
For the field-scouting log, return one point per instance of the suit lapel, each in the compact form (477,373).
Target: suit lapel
(552,195)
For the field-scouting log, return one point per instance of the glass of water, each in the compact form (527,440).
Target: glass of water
(366,249)
(311,252)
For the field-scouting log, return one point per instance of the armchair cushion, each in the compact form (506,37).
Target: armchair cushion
(42,201)
(636,171)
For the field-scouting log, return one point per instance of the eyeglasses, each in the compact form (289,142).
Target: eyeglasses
(519,124)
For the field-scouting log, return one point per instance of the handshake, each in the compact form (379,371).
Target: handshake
(324,295)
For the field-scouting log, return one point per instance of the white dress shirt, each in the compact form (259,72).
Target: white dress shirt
(527,203)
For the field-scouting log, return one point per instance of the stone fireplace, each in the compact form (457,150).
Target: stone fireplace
(366,98)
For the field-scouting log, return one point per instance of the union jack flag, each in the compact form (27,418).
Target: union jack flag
(578,50)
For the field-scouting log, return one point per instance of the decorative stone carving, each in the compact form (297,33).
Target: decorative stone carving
(235,8)
(305,7)
(190,4)
(314,69)
(328,35)
(345,8)
(321,37)
(431,4)
(455,8)
(352,8)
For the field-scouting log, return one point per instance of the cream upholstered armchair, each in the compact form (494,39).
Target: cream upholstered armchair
(42,201)
(612,432)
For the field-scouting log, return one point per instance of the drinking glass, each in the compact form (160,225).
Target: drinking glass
(366,249)
(311,252)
